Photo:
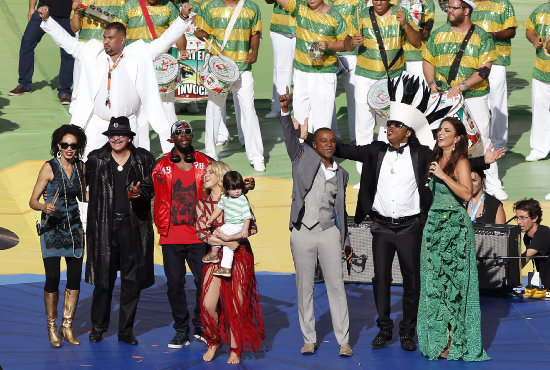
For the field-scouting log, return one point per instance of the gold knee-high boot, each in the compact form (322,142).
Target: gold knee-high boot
(50,301)
(69,308)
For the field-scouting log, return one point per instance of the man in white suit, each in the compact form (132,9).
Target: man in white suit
(115,80)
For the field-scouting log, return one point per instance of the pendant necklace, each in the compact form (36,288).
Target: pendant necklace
(392,171)
(119,168)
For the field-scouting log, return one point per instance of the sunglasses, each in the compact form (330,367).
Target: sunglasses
(122,136)
(66,145)
(179,131)
(397,124)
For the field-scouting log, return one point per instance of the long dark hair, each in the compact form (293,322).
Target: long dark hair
(74,130)
(460,149)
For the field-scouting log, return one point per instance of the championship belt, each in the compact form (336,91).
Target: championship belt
(167,70)
(97,14)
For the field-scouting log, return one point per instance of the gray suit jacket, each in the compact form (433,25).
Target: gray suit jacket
(305,164)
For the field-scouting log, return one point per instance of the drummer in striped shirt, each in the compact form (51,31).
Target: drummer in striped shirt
(163,13)
(396,25)
(315,80)
(413,56)
(283,39)
(498,19)
(242,46)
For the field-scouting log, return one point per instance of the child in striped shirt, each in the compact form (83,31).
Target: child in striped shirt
(236,218)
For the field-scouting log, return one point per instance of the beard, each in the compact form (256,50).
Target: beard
(457,21)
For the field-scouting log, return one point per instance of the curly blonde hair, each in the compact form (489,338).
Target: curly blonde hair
(220,169)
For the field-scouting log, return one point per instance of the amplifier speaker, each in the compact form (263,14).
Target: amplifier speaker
(492,242)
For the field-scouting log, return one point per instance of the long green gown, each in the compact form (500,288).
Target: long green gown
(449,290)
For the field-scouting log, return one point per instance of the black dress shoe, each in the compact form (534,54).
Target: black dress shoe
(407,343)
(96,336)
(128,338)
(381,338)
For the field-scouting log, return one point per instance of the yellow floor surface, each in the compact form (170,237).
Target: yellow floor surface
(270,202)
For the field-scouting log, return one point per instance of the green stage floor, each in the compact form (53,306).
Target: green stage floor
(26,122)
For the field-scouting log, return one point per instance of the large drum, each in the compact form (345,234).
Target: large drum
(168,72)
(218,74)
(414,7)
(378,99)
(191,88)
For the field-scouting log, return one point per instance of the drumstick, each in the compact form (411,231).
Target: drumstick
(358,19)
(53,202)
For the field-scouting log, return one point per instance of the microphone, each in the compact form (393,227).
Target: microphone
(510,220)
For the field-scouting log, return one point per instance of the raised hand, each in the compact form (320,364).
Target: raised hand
(284,100)
(401,18)
(493,155)
(185,10)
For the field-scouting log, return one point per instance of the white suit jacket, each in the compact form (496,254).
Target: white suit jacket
(139,58)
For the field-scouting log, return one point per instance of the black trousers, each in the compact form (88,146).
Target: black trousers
(53,273)
(405,239)
(123,258)
(174,257)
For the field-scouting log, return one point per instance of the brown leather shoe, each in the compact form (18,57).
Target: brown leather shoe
(65,99)
(19,90)
(345,350)
(308,348)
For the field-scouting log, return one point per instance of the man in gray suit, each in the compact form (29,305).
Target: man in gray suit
(318,227)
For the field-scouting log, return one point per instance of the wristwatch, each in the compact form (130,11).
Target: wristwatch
(430,83)
(463,86)
(184,18)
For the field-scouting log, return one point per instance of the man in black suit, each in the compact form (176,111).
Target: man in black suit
(394,195)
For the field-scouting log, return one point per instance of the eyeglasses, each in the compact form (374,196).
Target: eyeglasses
(66,145)
(397,124)
(122,136)
(522,218)
(456,7)
(179,131)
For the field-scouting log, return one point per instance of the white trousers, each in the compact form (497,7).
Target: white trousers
(498,104)
(479,107)
(349,62)
(540,126)
(142,134)
(243,92)
(229,230)
(283,56)
(313,98)
(94,133)
(365,118)
(415,68)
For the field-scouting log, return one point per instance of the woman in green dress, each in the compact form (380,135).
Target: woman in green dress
(449,319)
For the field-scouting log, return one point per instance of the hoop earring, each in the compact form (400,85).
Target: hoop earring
(58,155)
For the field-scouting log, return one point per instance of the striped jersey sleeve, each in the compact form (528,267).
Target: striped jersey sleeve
(162,15)
(539,21)
(282,21)
(348,10)
(214,18)
(442,48)
(496,16)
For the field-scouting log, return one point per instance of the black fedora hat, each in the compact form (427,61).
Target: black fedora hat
(119,126)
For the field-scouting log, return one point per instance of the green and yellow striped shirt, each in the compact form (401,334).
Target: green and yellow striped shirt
(348,10)
(496,16)
(214,18)
(413,54)
(162,14)
(92,29)
(312,26)
(444,44)
(369,60)
(282,21)
(539,21)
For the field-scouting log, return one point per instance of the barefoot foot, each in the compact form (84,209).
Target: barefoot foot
(209,354)
(233,358)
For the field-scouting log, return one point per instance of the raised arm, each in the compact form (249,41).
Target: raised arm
(172,34)
(61,37)
(293,146)
(78,14)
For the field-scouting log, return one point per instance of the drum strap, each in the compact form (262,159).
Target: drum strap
(381,46)
(147,17)
(456,63)
(231,23)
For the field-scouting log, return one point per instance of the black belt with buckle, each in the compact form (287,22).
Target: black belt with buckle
(120,216)
(394,221)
